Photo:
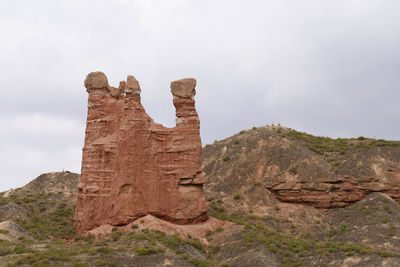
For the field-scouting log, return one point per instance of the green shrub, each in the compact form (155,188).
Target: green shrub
(293,170)
(335,164)
(217,208)
(22,249)
(105,250)
(173,241)
(116,235)
(225,158)
(146,250)
(236,196)
(198,262)
(337,231)
(387,209)
(209,232)
(365,210)
(4,200)
(4,231)
(197,244)
(5,251)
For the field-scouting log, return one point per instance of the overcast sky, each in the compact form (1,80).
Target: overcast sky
(329,68)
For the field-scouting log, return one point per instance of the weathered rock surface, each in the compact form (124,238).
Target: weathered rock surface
(132,166)
(338,192)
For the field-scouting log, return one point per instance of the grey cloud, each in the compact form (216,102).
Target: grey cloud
(325,67)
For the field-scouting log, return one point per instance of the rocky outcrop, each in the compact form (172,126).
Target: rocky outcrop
(132,166)
(335,192)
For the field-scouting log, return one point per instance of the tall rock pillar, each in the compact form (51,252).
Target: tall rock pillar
(132,166)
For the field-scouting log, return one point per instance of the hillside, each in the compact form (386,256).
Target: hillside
(297,167)
(294,200)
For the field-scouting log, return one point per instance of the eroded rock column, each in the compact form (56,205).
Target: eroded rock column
(132,166)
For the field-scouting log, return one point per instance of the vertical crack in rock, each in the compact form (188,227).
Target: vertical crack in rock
(132,166)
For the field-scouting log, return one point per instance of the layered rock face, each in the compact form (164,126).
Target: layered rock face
(337,191)
(132,166)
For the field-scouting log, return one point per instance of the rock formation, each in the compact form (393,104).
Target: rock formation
(336,192)
(132,166)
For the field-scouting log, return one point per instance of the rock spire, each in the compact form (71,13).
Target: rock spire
(132,166)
